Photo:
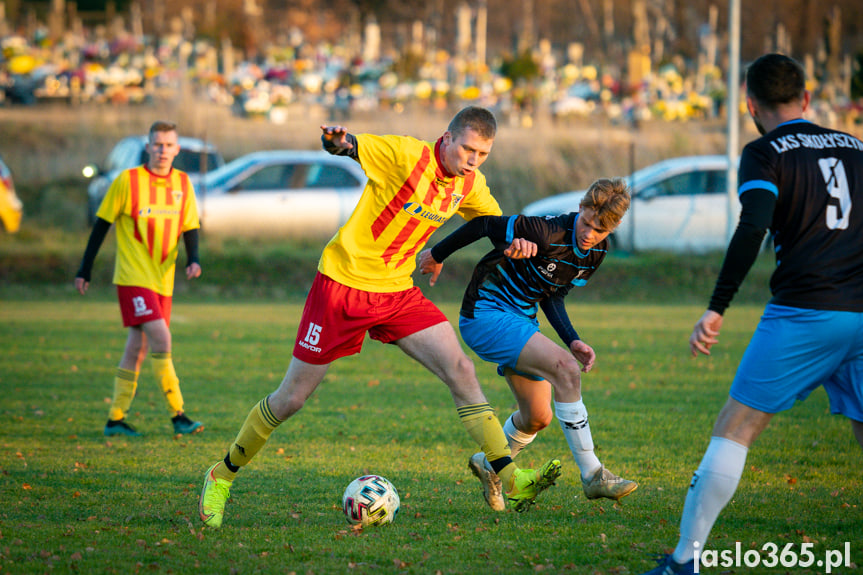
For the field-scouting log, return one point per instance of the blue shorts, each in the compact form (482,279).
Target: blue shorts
(498,336)
(793,351)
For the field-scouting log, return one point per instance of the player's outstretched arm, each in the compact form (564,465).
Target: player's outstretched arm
(705,333)
(493,227)
(336,137)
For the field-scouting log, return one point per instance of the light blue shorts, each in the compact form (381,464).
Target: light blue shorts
(793,351)
(498,336)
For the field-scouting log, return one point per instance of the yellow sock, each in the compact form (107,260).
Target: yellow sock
(125,383)
(221,471)
(254,434)
(163,365)
(483,426)
(507,476)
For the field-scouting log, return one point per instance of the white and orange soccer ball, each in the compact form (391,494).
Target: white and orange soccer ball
(370,500)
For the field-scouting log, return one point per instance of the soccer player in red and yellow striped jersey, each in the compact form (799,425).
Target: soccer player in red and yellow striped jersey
(409,195)
(364,285)
(152,206)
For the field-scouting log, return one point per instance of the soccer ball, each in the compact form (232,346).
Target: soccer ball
(370,500)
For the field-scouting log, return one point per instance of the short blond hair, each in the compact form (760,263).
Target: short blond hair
(162,126)
(478,119)
(609,198)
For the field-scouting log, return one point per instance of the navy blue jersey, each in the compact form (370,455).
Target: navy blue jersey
(816,175)
(521,284)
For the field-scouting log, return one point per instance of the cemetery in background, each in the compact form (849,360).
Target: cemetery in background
(656,60)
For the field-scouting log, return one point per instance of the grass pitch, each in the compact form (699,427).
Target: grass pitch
(76,501)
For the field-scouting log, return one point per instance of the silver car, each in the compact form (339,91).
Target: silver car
(196,157)
(280,193)
(679,205)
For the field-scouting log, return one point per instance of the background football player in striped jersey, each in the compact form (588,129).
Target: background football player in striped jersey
(152,206)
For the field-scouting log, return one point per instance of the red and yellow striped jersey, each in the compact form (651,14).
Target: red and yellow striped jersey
(409,195)
(150,213)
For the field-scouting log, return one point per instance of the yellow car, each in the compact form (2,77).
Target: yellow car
(10,204)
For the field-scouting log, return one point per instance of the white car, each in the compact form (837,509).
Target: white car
(280,193)
(679,205)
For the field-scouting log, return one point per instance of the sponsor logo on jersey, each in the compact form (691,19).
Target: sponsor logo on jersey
(417,210)
(149,212)
(548,270)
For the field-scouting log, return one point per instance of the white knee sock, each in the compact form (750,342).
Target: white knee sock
(573,421)
(712,487)
(517,439)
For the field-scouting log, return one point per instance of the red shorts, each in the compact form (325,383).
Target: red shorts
(139,305)
(336,318)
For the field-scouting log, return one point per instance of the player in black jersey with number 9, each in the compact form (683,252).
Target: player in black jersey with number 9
(802,182)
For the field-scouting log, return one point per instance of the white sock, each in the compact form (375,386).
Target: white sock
(517,439)
(712,487)
(573,421)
